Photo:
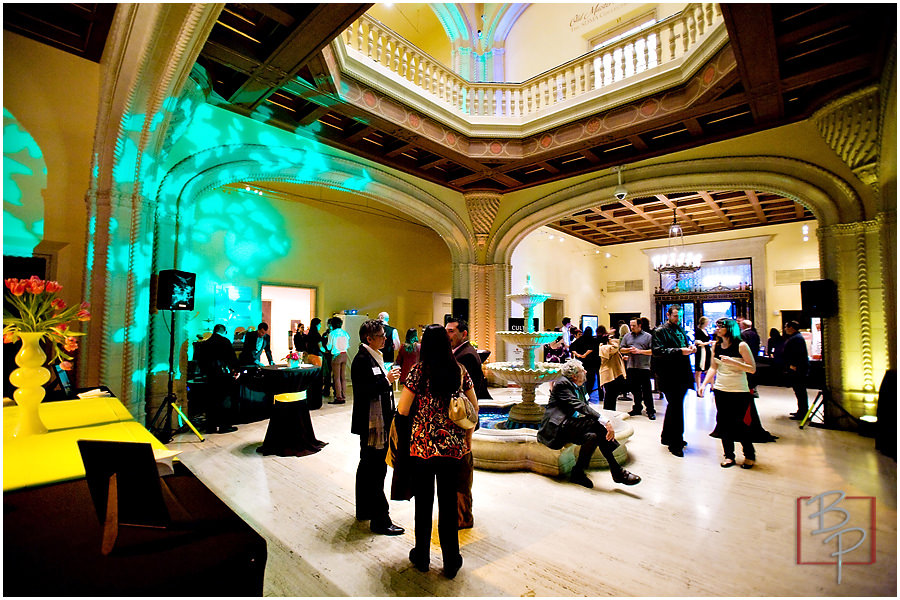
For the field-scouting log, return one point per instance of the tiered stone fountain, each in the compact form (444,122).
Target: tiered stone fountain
(528,374)
(513,445)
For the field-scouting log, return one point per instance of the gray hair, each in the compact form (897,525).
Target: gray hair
(383,316)
(571,368)
(623,330)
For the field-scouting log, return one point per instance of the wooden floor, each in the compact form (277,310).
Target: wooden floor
(690,528)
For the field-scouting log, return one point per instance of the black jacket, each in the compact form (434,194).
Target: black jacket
(370,384)
(752,339)
(672,368)
(467,356)
(565,402)
(215,356)
(248,352)
(795,354)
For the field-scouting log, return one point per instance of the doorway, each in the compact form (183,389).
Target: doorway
(553,313)
(286,304)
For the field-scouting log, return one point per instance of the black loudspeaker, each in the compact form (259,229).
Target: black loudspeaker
(461,308)
(818,297)
(175,290)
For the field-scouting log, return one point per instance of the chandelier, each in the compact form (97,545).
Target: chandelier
(676,261)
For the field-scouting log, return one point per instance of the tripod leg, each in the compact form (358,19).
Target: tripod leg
(813,408)
(188,421)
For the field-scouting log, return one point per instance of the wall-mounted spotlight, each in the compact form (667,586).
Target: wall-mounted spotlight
(621,191)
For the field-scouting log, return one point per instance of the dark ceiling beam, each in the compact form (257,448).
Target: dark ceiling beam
(582,220)
(505,179)
(547,167)
(683,216)
(589,155)
(636,141)
(620,222)
(313,115)
(640,212)
(440,160)
(400,150)
(715,208)
(799,210)
(315,31)
(752,35)
(693,127)
(754,202)
(357,135)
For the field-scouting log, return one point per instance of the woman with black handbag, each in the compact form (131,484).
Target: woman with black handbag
(437,445)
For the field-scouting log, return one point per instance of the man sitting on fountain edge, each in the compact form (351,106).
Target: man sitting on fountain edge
(570,419)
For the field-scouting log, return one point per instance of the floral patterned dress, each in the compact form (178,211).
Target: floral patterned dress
(432,432)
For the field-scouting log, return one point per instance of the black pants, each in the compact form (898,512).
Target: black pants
(371,503)
(591,435)
(593,375)
(611,392)
(673,424)
(798,384)
(444,471)
(639,383)
(746,448)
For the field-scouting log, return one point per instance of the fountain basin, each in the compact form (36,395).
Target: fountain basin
(518,373)
(519,450)
(523,339)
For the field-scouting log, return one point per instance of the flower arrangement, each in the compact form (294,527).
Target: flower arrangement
(40,311)
(292,356)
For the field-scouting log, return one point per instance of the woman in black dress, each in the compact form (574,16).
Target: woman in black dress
(587,349)
(703,356)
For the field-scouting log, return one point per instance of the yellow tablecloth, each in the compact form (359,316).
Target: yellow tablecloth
(53,457)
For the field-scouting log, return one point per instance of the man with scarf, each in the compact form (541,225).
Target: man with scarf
(373,409)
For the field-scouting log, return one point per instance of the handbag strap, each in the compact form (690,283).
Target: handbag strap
(462,378)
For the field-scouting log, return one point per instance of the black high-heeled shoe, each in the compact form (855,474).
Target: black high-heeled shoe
(450,570)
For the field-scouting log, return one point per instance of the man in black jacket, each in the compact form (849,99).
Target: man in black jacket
(255,343)
(466,355)
(373,409)
(217,362)
(673,377)
(796,364)
(749,335)
(570,419)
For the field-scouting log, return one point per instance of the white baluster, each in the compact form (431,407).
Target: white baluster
(657,49)
(701,22)
(598,71)
(370,41)
(590,74)
(629,60)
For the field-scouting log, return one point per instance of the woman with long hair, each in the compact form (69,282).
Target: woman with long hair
(408,354)
(436,445)
(587,349)
(703,357)
(312,339)
(732,360)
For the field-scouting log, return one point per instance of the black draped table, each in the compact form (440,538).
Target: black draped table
(290,431)
(259,385)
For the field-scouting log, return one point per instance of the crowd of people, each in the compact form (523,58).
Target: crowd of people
(437,452)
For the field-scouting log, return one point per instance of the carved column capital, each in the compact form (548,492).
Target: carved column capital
(482,208)
(852,127)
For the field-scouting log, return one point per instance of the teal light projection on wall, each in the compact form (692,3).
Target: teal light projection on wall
(24,180)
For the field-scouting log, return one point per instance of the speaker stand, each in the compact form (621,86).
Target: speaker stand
(162,429)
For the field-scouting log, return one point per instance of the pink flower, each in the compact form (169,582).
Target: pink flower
(58,304)
(71,344)
(53,287)
(85,305)
(66,365)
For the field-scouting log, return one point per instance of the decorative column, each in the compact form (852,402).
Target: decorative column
(856,340)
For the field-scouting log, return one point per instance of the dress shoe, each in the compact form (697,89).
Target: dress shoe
(652,416)
(421,565)
(627,478)
(451,569)
(747,464)
(635,413)
(728,462)
(389,529)
(581,479)
(677,451)
(337,401)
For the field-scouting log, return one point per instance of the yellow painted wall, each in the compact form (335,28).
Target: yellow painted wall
(55,95)
(529,52)
(419,25)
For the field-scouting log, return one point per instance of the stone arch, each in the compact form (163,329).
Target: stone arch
(830,199)
(223,165)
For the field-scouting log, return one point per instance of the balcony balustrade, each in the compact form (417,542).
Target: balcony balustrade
(649,50)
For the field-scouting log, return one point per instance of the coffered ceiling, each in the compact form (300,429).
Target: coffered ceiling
(786,61)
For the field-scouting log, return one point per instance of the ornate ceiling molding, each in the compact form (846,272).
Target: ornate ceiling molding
(852,128)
